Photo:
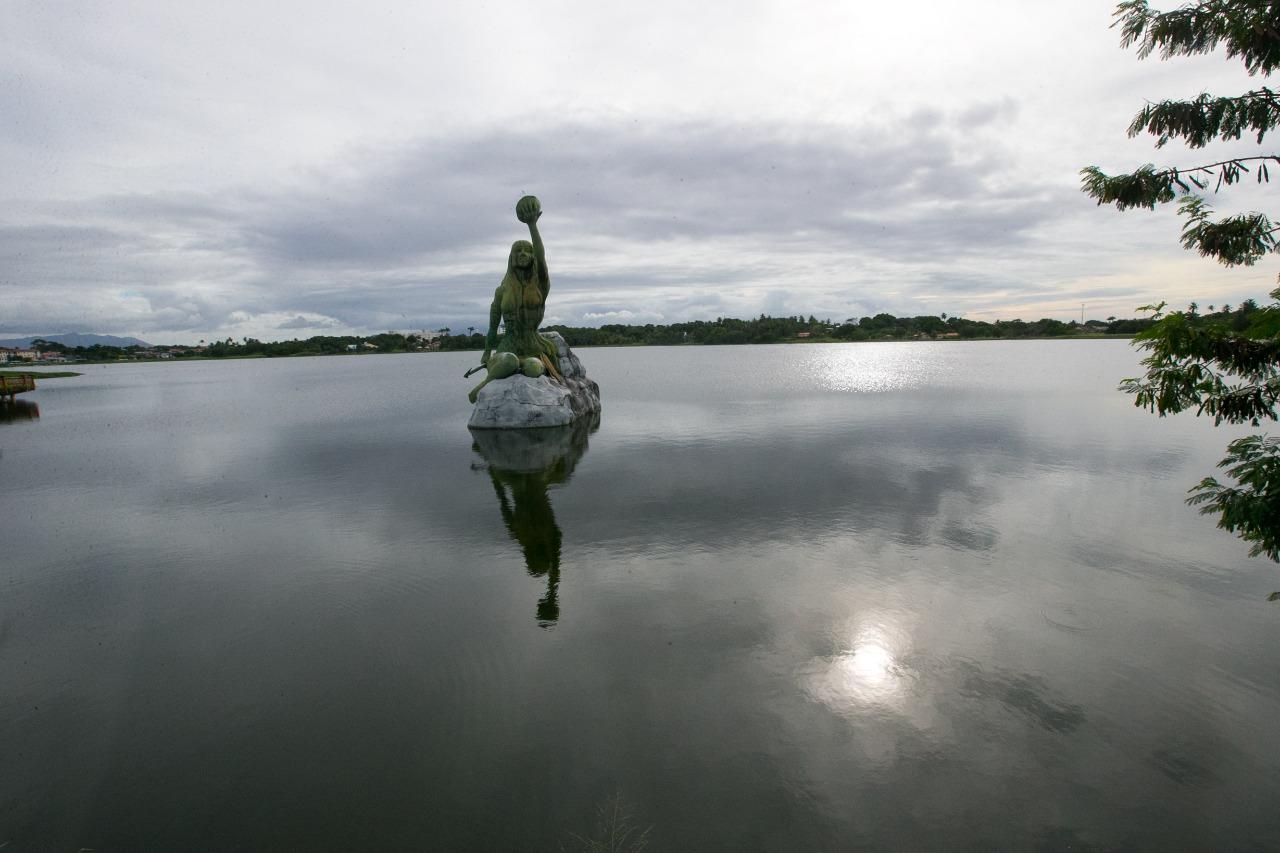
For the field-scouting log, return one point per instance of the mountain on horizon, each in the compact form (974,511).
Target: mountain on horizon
(75,339)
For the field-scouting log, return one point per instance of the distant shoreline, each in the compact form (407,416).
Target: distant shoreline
(43,374)
(55,370)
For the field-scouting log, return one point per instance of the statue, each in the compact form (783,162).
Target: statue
(520,302)
(532,379)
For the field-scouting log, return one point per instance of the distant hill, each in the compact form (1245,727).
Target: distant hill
(75,339)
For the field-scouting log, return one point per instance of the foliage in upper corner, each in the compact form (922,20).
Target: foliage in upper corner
(1229,371)
(1247,28)
(1250,31)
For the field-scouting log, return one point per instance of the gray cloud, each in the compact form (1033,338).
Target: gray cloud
(680,217)
(196,172)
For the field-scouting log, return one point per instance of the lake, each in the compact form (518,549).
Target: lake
(818,597)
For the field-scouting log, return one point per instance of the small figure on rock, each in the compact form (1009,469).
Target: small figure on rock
(519,303)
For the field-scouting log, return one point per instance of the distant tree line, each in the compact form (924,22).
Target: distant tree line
(881,327)
(724,330)
(244,348)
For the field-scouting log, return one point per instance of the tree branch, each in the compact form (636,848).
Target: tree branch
(1147,187)
(1207,118)
(1246,27)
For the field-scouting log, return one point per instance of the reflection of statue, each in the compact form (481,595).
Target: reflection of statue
(519,303)
(522,464)
(18,410)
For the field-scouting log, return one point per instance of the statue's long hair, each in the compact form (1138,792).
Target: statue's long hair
(513,275)
(513,282)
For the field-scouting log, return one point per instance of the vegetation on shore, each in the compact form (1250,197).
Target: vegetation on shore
(724,330)
(40,374)
(881,327)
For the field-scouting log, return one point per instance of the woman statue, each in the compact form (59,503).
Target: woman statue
(519,303)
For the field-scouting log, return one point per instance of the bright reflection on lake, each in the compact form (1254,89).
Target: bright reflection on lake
(873,369)
(866,673)
(859,597)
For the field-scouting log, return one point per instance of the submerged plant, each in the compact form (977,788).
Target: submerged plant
(615,831)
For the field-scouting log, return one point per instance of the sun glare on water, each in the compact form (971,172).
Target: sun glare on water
(875,368)
(868,673)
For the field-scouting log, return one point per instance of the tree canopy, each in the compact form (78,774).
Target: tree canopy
(1229,371)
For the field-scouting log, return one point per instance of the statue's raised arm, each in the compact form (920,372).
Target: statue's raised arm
(528,210)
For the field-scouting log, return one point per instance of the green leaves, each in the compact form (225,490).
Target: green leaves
(1250,509)
(1144,188)
(1205,119)
(1208,366)
(1227,367)
(1250,31)
(1243,239)
(1247,28)
(1232,376)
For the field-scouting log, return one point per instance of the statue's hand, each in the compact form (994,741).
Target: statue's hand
(484,359)
(528,209)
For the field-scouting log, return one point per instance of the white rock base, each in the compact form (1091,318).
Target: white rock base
(521,402)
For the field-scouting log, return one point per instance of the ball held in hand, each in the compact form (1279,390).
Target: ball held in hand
(528,209)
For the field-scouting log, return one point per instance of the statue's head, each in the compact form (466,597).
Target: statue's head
(521,257)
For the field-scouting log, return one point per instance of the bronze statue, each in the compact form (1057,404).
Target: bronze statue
(519,303)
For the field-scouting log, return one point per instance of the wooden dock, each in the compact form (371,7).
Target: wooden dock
(11,385)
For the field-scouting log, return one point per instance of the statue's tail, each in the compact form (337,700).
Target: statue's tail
(473,370)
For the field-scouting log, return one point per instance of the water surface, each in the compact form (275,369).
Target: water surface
(855,597)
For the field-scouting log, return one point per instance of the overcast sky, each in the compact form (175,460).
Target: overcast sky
(189,170)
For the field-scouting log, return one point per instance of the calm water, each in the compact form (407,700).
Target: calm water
(863,597)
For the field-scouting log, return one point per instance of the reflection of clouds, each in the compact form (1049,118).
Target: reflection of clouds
(1025,694)
(1187,764)
(971,537)
(749,618)
(868,480)
(877,666)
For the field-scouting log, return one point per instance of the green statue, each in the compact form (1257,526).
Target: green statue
(519,303)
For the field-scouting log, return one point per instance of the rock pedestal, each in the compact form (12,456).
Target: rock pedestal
(522,402)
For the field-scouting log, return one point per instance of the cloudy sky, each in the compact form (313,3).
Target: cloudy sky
(180,171)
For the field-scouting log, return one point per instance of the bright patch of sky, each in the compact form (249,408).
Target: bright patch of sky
(179,171)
